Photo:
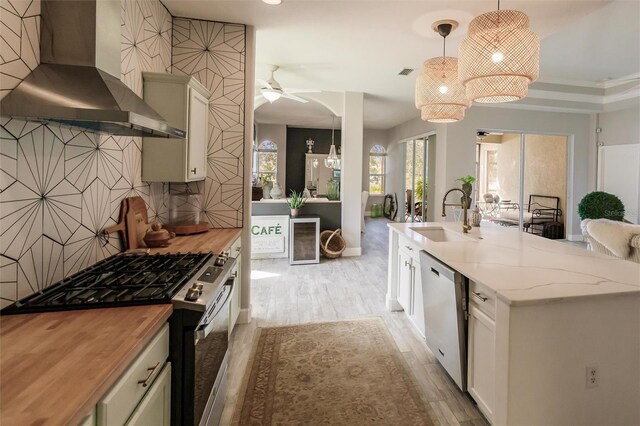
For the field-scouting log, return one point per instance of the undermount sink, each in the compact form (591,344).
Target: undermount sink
(441,235)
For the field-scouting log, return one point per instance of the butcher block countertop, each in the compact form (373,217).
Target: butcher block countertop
(56,366)
(216,240)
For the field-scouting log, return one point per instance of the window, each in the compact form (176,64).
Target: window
(265,161)
(377,156)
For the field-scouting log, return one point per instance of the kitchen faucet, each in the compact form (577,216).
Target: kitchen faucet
(465,198)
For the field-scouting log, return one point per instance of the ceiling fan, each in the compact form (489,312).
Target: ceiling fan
(272,90)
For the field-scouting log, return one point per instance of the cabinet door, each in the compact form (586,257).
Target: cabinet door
(417,303)
(405,281)
(155,407)
(481,367)
(197,136)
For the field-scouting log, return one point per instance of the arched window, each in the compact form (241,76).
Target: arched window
(377,156)
(265,161)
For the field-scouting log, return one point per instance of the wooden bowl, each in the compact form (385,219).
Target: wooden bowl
(158,237)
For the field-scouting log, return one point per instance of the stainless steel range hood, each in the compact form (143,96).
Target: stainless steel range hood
(77,82)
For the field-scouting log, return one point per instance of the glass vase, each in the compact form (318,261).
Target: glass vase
(333,191)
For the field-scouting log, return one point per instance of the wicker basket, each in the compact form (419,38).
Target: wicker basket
(332,244)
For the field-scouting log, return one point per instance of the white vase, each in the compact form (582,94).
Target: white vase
(266,191)
(276,191)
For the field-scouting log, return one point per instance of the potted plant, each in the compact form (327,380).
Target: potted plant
(295,201)
(601,205)
(467,187)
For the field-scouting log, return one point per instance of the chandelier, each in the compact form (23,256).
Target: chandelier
(500,57)
(332,161)
(439,94)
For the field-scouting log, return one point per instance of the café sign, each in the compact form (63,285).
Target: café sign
(269,236)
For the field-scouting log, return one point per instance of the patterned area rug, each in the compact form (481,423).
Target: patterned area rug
(336,373)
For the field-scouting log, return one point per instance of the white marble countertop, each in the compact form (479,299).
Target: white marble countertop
(307,201)
(527,269)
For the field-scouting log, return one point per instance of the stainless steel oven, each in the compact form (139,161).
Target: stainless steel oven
(200,346)
(211,359)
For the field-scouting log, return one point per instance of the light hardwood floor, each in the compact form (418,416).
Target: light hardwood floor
(345,288)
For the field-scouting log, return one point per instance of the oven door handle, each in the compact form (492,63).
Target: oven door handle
(203,330)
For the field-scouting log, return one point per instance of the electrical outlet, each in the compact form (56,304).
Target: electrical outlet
(592,376)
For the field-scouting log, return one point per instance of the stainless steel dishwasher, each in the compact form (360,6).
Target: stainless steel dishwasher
(444,292)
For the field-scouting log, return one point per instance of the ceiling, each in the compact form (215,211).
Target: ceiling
(311,115)
(359,45)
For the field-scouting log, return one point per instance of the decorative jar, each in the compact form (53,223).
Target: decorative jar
(333,190)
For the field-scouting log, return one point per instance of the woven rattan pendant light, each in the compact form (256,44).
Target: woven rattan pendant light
(500,57)
(440,96)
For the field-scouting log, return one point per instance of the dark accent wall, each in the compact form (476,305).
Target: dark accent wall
(296,149)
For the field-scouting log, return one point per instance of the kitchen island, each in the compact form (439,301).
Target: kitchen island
(544,315)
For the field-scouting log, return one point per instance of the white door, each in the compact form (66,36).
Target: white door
(405,281)
(481,362)
(197,136)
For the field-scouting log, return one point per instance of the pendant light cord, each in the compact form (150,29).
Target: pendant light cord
(498,4)
(444,46)
(333,126)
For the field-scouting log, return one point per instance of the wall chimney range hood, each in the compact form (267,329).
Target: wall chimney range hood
(77,82)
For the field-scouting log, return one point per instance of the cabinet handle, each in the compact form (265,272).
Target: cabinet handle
(407,264)
(152,372)
(479,296)
(235,274)
(409,248)
(238,248)
(193,170)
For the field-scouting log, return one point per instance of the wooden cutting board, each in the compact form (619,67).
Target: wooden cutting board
(121,226)
(127,226)
(137,207)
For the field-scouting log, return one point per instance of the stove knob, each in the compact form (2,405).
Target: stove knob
(192,295)
(220,261)
(197,286)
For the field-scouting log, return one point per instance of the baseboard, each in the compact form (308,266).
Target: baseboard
(244,317)
(352,251)
(392,304)
(576,237)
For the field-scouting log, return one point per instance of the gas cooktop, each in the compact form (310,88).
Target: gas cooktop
(120,280)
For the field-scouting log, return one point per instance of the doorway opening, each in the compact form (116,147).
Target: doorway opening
(522,181)
(417,157)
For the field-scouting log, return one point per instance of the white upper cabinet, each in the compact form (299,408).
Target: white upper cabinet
(184,102)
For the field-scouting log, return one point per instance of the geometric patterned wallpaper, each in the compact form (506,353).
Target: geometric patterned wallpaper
(214,53)
(60,186)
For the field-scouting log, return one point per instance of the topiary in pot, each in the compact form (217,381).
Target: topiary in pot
(601,205)
(467,187)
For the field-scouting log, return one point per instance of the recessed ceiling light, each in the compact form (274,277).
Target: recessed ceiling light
(272,2)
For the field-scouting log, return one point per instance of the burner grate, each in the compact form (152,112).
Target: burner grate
(125,279)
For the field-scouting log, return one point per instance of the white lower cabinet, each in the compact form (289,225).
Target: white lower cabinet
(410,285)
(155,407)
(143,391)
(481,360)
